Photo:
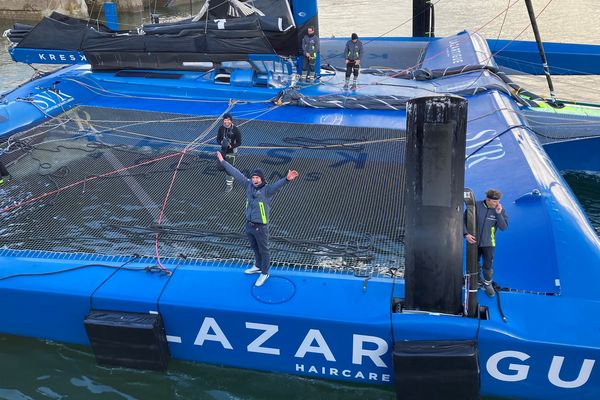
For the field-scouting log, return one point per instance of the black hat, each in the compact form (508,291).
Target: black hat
(354,36)
(227,116)
(260,173)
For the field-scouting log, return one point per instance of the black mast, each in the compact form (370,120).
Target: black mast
(538,39)
(423,18)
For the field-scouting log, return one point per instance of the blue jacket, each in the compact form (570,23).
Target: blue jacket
(258,199)
(488,222)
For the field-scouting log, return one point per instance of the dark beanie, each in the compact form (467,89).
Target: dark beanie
(260,173)
(227,116)
(354,36)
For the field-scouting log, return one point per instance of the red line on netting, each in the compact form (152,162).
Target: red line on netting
(61,189)
(164,206)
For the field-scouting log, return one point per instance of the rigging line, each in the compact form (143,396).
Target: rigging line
(90,14)
(106,92)
(574,122)
(83,181)
(37,145)
(171,184)
(383,34)
(519,35)
(97,21)
(129,134)
(205,142)
(575,71)
(503,21)
(176,119)
(443,51)
(322,147)
(108,129)
(11,139)
(510,128)
(133,258)
(331,146)
(62,271)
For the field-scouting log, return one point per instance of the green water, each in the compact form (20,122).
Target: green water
(33,369)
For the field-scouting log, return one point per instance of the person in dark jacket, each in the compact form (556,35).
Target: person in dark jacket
(258,207)
(352,53)
(3,173)
(490,217)
(230,138)
(310,49)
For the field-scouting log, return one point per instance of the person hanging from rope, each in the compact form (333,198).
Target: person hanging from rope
(352,53)
(258,207)
(490,217)
(3,173)
(230,138)
(310,49)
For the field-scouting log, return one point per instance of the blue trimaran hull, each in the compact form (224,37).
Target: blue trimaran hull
(327,325)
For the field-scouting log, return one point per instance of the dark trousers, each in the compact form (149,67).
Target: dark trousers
(487,254)
(308,67)
(258,235)
(230,158)
(352,67)
(3,170)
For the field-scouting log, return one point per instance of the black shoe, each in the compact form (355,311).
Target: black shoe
(489,290)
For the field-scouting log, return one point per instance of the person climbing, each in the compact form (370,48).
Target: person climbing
(490,217)
(310,49)
(258,207)
(230,138)
(352,53)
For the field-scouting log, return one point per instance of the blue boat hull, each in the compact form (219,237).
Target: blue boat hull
(326,324)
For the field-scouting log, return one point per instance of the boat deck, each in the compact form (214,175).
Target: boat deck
(94,180)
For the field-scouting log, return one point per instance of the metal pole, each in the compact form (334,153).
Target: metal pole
(421,18)
(472,258)
(538,39)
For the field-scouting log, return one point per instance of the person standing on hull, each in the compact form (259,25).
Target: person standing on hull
(490,217)
(258,208)
(353,53)
(310,49)
(230,138)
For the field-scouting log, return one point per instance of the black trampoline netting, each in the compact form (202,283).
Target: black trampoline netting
(96,179)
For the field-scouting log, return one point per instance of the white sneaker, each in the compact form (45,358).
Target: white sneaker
(261,280)
(253,270)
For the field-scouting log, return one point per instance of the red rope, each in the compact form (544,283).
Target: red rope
(164,206)
(61,189)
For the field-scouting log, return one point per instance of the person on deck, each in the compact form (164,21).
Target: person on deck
(352,53)
(3,172)
(258,206)
(490,217)
(310,49)
(230,138)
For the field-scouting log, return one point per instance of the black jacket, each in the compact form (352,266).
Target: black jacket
(229,138)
